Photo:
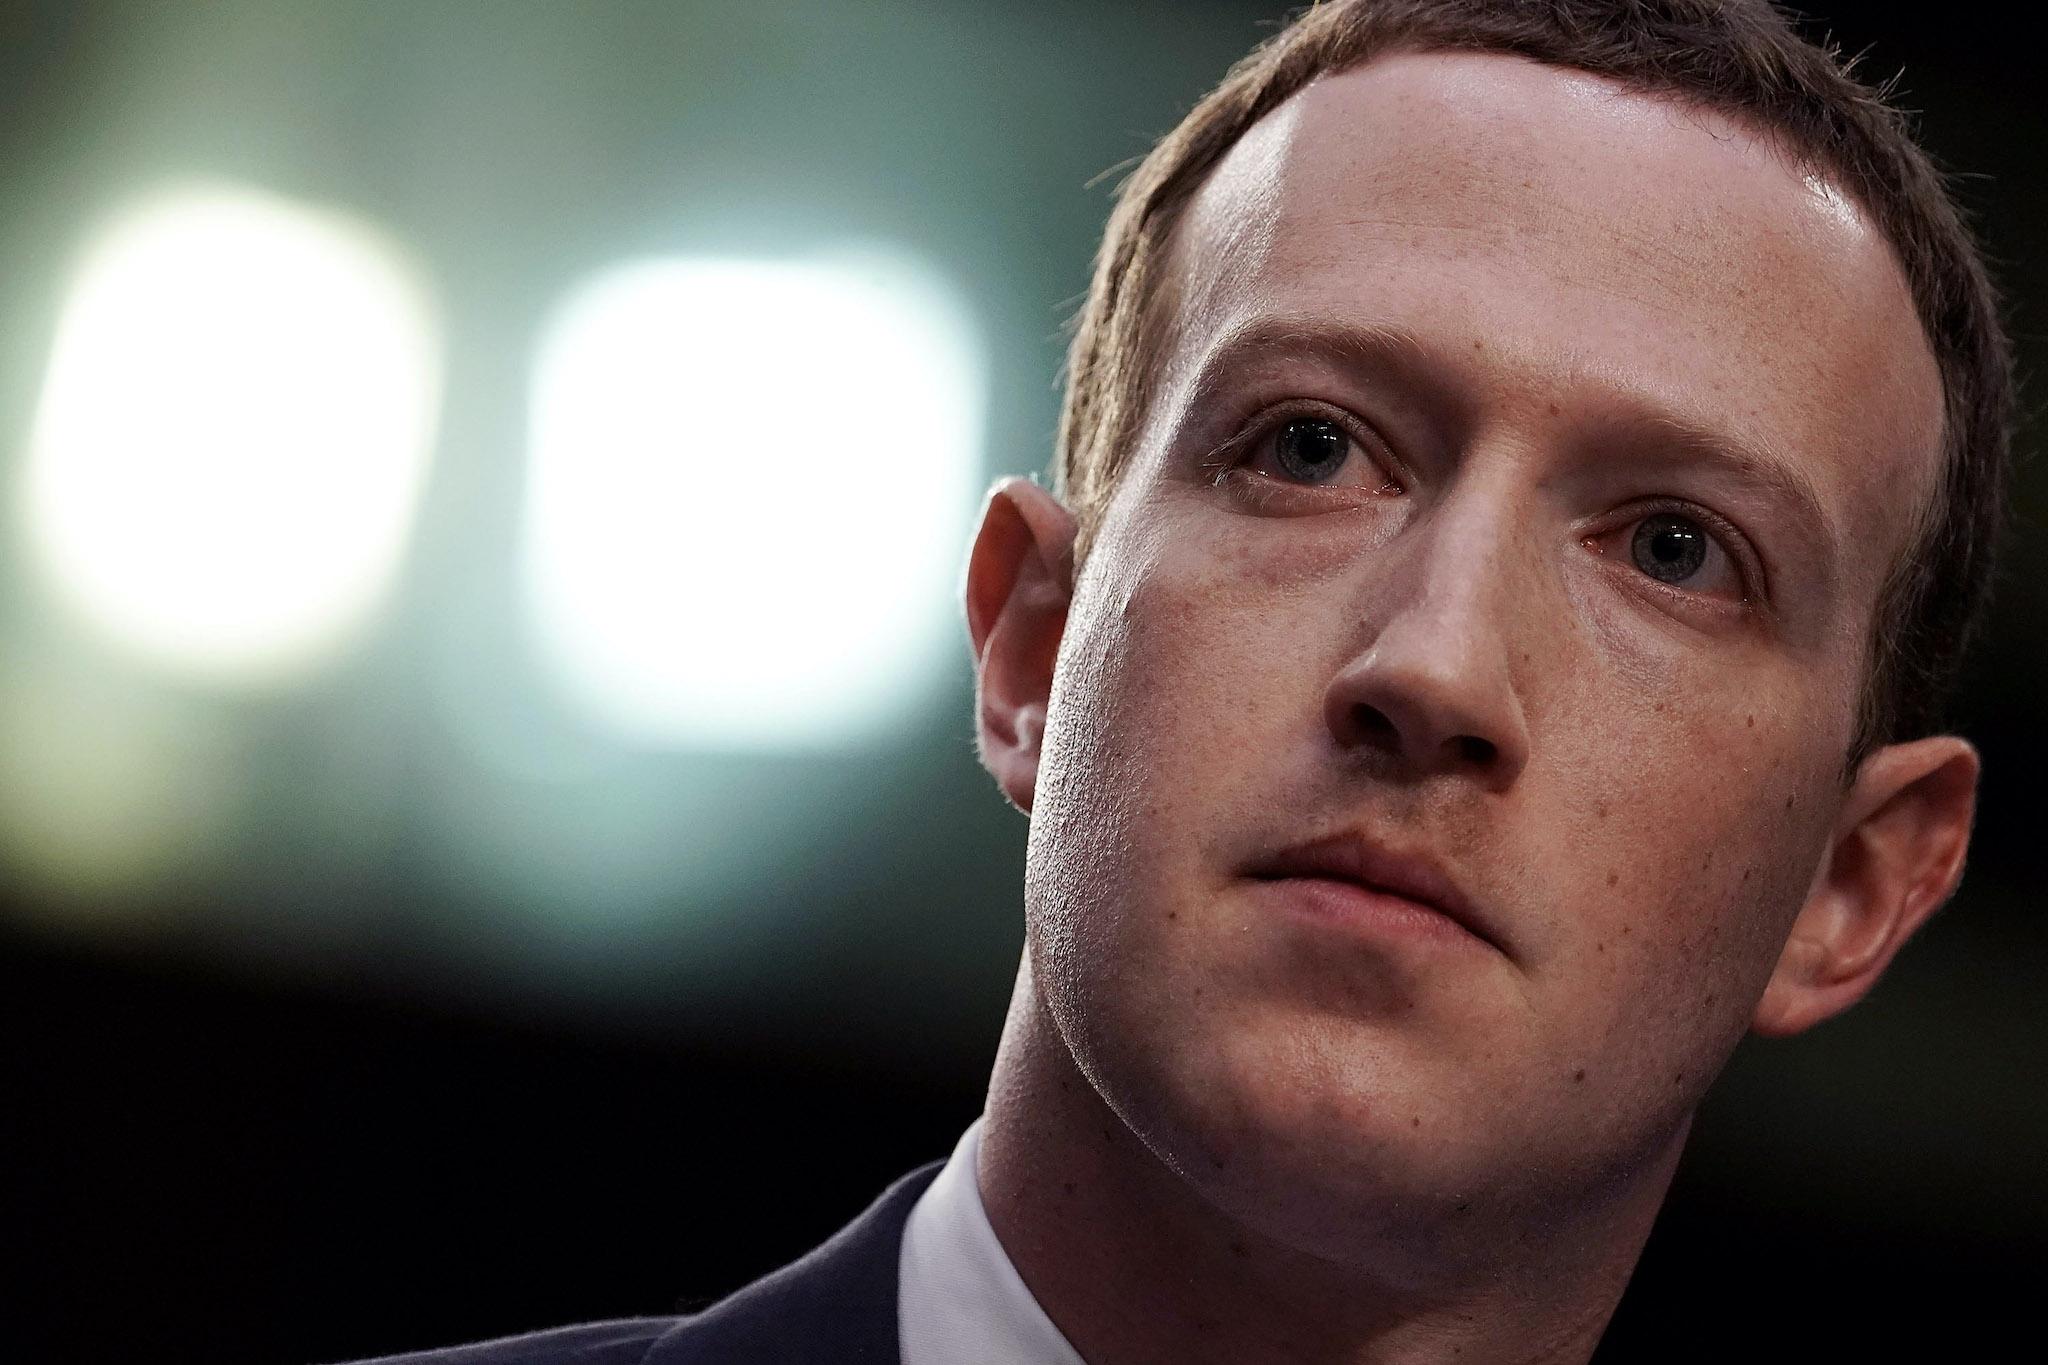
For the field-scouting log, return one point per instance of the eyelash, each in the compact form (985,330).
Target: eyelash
(1731,541)
(1263,490)
(1234,454)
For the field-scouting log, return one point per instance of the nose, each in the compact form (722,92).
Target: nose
(1432,690)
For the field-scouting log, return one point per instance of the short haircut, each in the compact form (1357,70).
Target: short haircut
(1739,58)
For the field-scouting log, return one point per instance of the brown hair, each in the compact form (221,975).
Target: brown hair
(1738,57)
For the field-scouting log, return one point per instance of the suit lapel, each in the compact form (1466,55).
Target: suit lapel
(836,1304)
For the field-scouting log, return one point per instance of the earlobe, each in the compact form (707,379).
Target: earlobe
(1018,584)
(1896,856)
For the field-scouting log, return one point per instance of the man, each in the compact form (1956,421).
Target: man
(1527,473)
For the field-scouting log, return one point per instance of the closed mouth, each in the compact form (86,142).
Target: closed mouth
(1352,859)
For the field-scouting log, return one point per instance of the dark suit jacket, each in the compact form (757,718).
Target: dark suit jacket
(836,1304)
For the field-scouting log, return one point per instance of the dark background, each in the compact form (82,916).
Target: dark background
(349,1084)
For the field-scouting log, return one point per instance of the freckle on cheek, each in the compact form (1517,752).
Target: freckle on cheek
(1613,877)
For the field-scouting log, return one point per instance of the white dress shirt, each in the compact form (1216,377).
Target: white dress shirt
(959,1301)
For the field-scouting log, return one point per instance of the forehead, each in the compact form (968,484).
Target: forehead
(1571,240)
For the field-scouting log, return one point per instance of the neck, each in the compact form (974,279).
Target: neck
(1096,1225)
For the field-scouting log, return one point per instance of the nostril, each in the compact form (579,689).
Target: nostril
(1474,750)
(1373,723)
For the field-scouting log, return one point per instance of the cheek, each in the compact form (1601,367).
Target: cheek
(1175,685)
(1689,783)
(1182,662)
(1692,771)
(1688,833)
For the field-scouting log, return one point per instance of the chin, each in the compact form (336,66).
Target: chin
(1290,1126)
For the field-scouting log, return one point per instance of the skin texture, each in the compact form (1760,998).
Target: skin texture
(1542,308)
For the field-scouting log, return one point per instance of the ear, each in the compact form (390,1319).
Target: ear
(1896,857)
(1019,582)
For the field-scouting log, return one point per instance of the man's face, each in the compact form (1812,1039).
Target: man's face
(1516,500)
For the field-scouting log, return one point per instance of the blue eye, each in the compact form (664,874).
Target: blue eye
(1669,548)
(1311,449)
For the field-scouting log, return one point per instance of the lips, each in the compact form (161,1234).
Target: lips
(1354,859)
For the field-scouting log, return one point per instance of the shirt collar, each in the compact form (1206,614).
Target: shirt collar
(958,1297)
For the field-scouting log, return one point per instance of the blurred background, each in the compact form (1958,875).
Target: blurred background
(489,829)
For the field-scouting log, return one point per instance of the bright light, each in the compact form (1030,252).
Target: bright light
(232,434)
(750,489)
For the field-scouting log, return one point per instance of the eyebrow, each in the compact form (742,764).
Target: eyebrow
(1354,345)
(1761,466)
(1378,346)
